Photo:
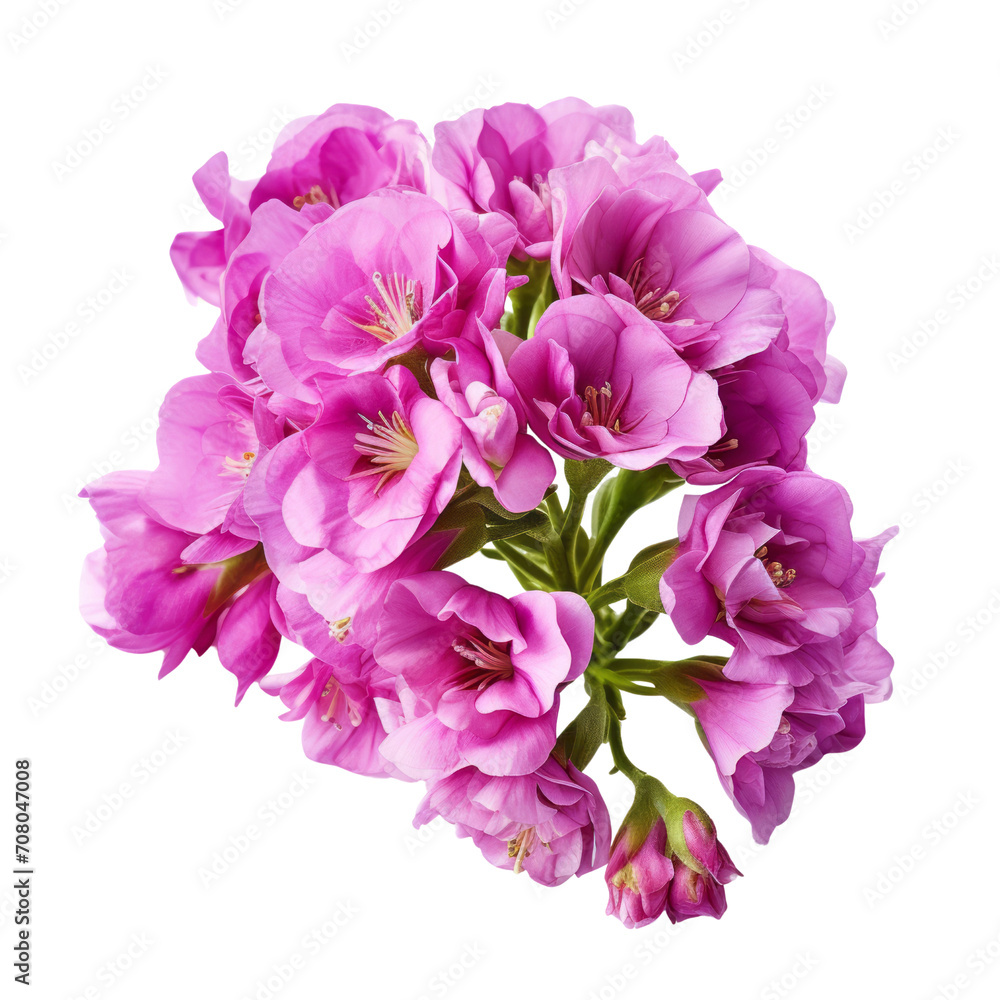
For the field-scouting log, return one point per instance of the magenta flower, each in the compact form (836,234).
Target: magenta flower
(599,380)
(639,877)
(211,432)
(367,478)
(551,823)
(153,587)
(342,155)
(377,279)
(702,867)
(666,858)
(767,412)
(275,230)
(498,159)
(336,701)
(478,675)
(330,159)
(496,447)
(200,258)
(684,269)
(769,564)
(762,784)
(809,319)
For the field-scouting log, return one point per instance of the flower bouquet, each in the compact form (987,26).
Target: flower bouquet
(406,340)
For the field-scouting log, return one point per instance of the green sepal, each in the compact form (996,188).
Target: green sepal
(583,737)
(584,477)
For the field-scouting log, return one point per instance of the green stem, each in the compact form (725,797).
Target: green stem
(570,527)
(525,564)
(610,678)
(622,762)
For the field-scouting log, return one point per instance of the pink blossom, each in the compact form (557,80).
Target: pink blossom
(496,447)
(551,823)
(380,277)
(367,478)
(153,587)
(478,675)
(599,380)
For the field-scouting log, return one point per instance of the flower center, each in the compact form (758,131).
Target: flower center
(239,467)
(651,299)
(389,446)
(398,310)
(338,629)
(780,576)
(333,702)
(602,409)
(730,444)
(316,196)
(489,663)
(521,846)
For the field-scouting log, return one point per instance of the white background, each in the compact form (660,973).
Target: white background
(827,908)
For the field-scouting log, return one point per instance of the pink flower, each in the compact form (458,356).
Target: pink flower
(378,278)
(478,675)
(200,258)
(767,412)
(638,877)
(367,478)
(684,269)
(769,564)
(496,447)
(551,823)
(702,867)
(762,784)
(498,159)
(336,701)
(666,858)
(154,587)
(211,432)
(600,380)
(330,159)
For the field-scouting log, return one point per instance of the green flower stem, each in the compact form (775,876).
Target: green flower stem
(555,550)
(622,762)
(609,678)
(531,569)
(623,628)
(630,491)
(529,300)
(568,532)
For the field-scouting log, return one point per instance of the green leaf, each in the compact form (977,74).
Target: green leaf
(584,477)
(469,523)
(583,737)
(641,584)
(533,520)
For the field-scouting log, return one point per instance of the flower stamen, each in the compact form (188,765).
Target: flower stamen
(602,410)
(490,663)
(651,300)
(390,447)
(398,311)
(780,576)
(316,196)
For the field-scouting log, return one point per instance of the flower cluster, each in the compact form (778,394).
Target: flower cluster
(405,337)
